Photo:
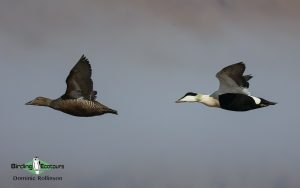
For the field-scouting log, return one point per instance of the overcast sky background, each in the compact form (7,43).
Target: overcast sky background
(145,54)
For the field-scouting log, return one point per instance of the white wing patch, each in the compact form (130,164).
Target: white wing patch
(256,99)
(227,85)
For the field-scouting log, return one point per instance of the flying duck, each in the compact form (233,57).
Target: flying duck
(79,98)
(233,93)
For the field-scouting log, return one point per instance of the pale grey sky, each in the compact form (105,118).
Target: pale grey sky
(145,54)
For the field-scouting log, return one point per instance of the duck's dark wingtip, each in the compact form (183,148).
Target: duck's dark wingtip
(83,57)
(240,63)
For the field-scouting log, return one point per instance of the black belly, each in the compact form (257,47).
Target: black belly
(237,102)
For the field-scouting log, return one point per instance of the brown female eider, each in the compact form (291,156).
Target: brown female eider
(79,98)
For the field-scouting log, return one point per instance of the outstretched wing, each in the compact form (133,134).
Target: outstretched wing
(79,82)
(232,80)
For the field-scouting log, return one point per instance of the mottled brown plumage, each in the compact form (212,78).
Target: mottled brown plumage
(79,98)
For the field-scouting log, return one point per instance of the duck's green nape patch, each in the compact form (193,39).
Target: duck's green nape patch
(198,97)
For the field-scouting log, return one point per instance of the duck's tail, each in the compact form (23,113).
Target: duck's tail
(248,77)
(265,102)
(113,111)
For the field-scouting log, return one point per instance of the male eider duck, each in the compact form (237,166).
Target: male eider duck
(233,93)
(79,98)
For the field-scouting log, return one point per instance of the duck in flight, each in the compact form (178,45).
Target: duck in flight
(233,93)
(79,98)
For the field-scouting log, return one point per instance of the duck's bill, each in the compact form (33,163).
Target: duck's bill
(179,101)
(28,103)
